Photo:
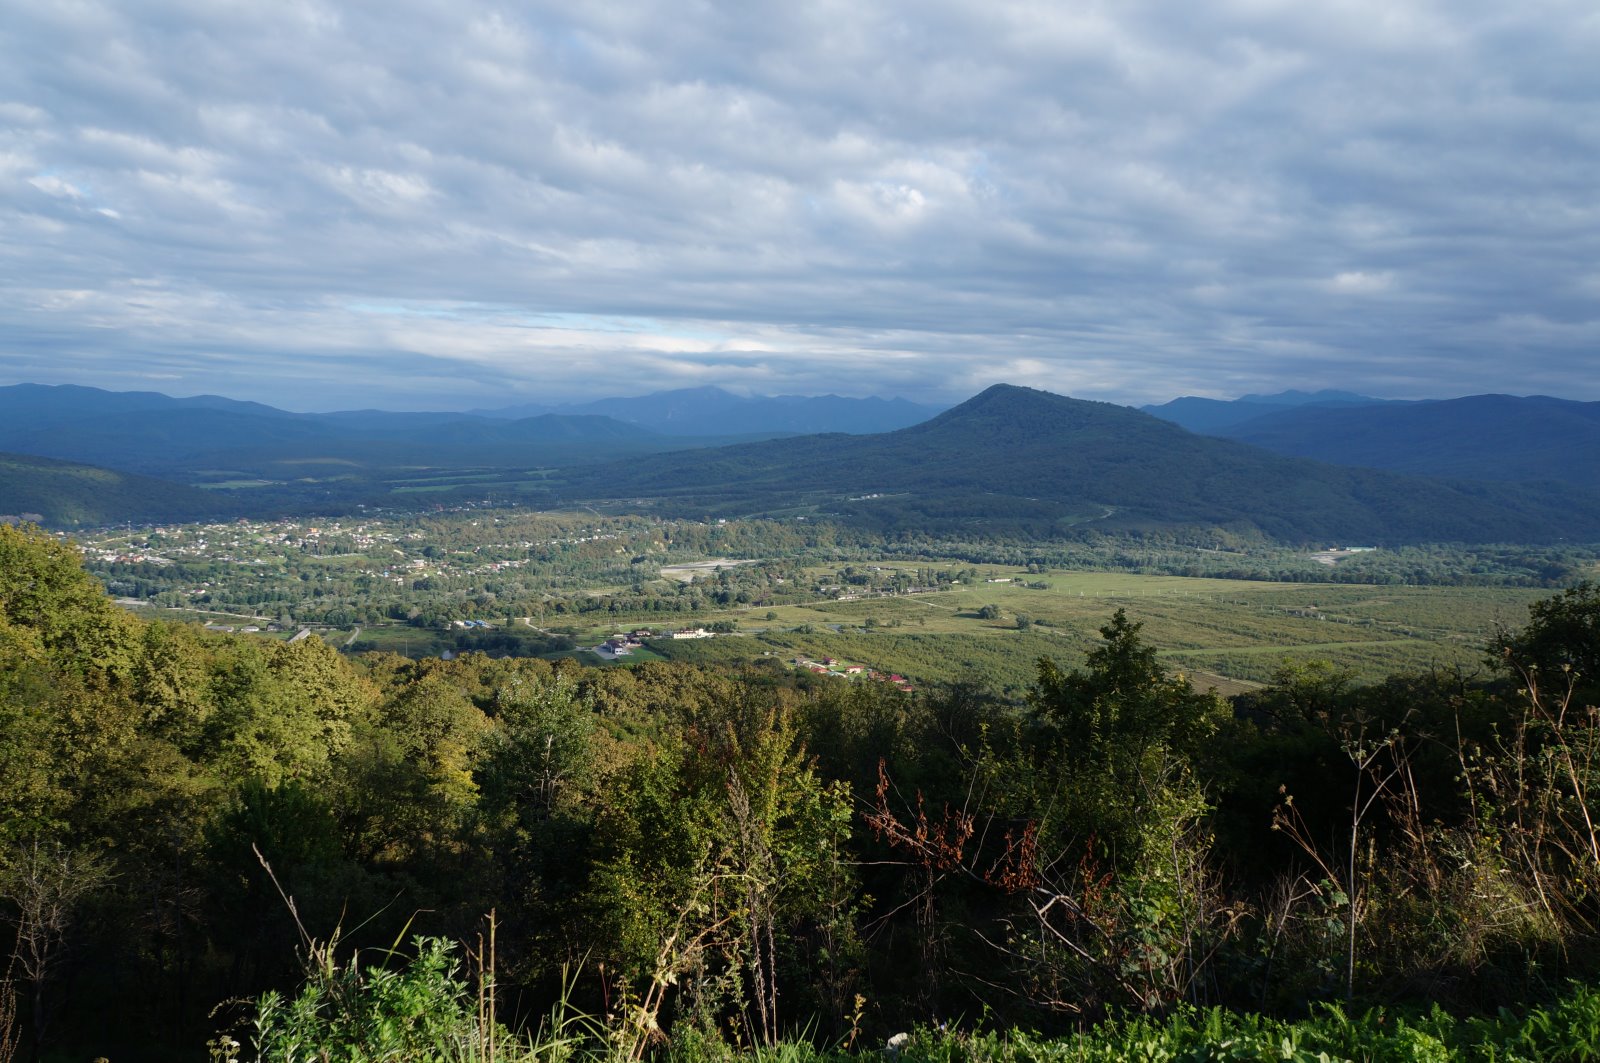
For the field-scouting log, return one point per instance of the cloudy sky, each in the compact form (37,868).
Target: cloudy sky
(441,205)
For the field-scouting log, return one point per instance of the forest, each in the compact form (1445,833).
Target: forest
(242,848)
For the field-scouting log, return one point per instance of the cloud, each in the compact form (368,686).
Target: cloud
(331,205)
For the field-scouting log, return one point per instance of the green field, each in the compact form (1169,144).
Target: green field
(1227,633)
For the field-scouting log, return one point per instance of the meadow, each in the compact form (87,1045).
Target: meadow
(1231,634)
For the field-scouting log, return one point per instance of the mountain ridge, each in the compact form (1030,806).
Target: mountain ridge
(1487,437)
(1051,462)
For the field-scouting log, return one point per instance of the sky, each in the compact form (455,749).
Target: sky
(415,205)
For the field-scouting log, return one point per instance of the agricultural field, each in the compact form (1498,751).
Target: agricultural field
(544,584)
(1230,634)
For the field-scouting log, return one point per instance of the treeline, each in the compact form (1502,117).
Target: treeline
(1219,554)
(705,857)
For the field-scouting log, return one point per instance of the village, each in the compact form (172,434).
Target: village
(837,669)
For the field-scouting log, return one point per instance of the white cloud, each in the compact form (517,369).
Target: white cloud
(1360,282)
(51,185)
(1127,201)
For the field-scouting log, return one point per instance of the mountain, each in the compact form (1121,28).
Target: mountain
(214,438)
(159,440)
(25,407)
(65,494)
(1015,459)
(691,411)
(545,428)
(1483,437)
(1211,416)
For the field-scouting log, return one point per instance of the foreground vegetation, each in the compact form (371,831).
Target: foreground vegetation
(709,858)
(424,1009)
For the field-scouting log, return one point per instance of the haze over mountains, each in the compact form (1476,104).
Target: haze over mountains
(1011,460)
(688,412)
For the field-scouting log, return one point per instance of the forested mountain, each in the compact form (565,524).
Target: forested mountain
(64,494)
(690,411)
(203,437)
(1481,437)
(1017,458)
(1009,461)
(32,406)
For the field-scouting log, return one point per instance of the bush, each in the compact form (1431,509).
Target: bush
(359,1012)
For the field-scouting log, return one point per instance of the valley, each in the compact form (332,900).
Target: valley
(483,673)
(559,584)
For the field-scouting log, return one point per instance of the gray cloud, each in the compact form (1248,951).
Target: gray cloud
(417,204)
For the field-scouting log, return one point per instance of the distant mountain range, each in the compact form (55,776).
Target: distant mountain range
(1480,437)
(1009,461)
(1213,416)
(211,437)
(690,411)
(1032,461)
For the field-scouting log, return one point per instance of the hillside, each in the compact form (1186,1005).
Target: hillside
(1483,437)
(1016,459)
(66,494)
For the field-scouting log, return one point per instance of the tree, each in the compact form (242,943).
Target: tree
(1562,637)
(43,587)
(1120,891)
(46,885)
(710,852)
(1124,708)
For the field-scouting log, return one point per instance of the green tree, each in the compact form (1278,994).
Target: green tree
(712,850)
(1561,642)
(1114,751)
(43,587)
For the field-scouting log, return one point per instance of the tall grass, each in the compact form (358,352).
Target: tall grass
(426,1010)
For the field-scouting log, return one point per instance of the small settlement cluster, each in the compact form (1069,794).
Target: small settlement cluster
(832,666)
